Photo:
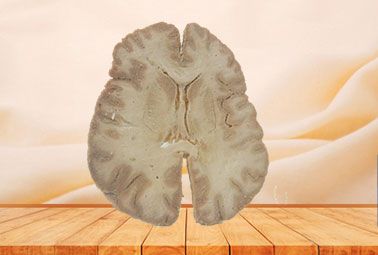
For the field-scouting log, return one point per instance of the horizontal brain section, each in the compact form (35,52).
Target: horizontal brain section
(167,101)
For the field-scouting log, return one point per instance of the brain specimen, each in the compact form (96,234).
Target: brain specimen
(167,101)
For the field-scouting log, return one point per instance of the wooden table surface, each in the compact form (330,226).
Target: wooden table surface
(268,230)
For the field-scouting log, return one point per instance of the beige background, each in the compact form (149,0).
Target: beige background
(311,69)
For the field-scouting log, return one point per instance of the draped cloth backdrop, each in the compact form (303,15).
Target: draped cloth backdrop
(311,69)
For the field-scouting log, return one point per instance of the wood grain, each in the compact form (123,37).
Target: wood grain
(267,230)
(204,240)
(190,205)
(366,212)
(86,241)
(40,237)
(28,218)
(363,222)
(285,240)
(19,240)
(126,240)
(167,240)
(12,213)
(245,239)
(332,236)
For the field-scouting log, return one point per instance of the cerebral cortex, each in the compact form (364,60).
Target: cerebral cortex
(167,101)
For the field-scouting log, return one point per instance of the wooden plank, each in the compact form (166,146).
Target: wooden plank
(126,240)
(356,219)
(338,231)
(204,240)
(245,239)
(69,227)
(40,237)
(108,205)
(86,241)
(29,218)
(12,213)
(56,205)
(167,240)
(285,240)
(333,237)
(367,212)
(15,241)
